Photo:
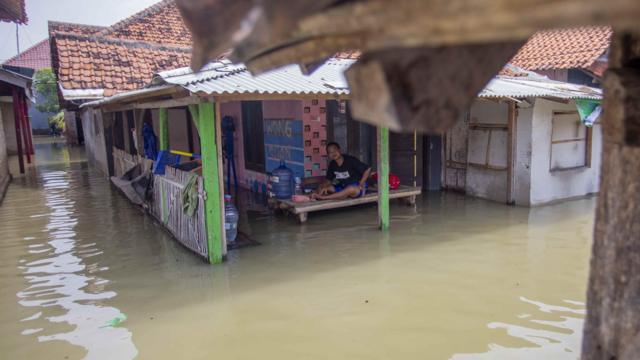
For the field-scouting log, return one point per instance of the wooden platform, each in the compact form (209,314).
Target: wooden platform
(303,209)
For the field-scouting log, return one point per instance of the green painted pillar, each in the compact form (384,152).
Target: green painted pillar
(164,145)
(210,172)
(164,129)
(383,178)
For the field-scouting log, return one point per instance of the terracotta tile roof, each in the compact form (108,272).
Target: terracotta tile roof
(13,11)
(57,26)
(36,57)
(123,56)
(159,23)
(564,48)
(89,62)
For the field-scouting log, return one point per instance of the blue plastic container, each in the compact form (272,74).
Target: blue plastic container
(282,182)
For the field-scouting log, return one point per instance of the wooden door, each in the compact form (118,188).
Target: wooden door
(455,154)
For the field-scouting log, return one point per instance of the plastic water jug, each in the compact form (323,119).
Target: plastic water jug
(282,182)
(231,217)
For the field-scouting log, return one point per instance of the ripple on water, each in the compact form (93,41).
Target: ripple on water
(60,286)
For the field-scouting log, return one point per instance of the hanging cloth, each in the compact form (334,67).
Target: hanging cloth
(190,195)
(150,143)
(589,111)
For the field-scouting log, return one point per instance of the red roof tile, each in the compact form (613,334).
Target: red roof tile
(564,48)
(36,57)
(160,23)
(89,62)
(13,11)
(58,26)
(123,56)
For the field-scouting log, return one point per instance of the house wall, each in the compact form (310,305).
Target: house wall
(546,185)
(522,154)
(178,139)
(9,126)
(4,164)
(271,109)
(70,128)
(39,120)
(482,181)
(95,145)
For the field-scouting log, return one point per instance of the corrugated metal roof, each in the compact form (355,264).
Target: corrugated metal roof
(538,86)
(224,78)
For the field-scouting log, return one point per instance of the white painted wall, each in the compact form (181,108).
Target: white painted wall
(95,147)
(481,182)
(9,126)
(546,185)
(4,164)
(522,154)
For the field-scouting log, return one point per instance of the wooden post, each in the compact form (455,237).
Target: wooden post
(213,204)
(164,129)
(383,178)
(28,141)
(17,110)
(612,326)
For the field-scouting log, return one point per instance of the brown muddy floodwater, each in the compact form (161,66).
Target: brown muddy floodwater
(459,278)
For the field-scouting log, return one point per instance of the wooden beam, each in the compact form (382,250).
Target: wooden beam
(169,103)
(164,129)
(612,325)
(211,168)
(383,178)
(422,89)
(282,32)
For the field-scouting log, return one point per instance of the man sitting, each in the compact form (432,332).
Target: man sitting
(346,177)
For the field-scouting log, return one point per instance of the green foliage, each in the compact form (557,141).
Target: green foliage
(58,120)
(44,82)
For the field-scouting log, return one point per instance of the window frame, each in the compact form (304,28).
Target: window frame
(588,141)
(253,135)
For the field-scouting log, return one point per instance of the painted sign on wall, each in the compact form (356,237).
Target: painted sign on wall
(283,141)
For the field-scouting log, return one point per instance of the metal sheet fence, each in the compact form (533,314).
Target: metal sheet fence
(167,201)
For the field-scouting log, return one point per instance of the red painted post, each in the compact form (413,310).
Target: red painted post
(23,125)
(16,116)
(27,126)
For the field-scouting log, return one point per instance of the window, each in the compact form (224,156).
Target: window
(570,142)
(252,128)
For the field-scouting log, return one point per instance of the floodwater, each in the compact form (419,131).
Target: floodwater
(83,274)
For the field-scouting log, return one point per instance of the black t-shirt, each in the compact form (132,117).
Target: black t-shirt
(348,173)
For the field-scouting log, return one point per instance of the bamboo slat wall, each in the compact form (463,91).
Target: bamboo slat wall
(167,208)
(167,201)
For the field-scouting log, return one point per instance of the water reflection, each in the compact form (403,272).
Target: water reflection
(555,338)
(60,281)
(457,276)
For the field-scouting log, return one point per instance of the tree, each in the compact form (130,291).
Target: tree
(44,83)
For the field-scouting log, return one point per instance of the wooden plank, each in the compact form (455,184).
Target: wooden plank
(169,103)
(210,174)
(424,89)
(299,208)
(612,322)
(383,178)
(306,31)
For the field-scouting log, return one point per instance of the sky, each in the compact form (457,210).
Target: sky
(39,12)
